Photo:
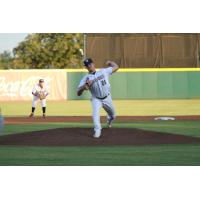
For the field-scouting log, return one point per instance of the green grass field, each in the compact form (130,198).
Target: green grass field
(118,155)
(115,155)
(111,156)
(123,108)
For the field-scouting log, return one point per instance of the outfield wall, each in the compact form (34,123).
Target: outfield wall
(126,84)
(146,84)
(17,85)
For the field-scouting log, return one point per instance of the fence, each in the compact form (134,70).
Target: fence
(126,84)
(145,50)
(146,85)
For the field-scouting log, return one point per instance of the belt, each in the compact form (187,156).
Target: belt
(102,98)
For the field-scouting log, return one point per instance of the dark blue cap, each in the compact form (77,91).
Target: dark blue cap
(41,80)
(87,62)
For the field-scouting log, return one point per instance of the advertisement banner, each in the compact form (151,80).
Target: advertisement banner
(18,84)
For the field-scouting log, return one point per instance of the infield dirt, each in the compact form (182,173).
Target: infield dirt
(49,119)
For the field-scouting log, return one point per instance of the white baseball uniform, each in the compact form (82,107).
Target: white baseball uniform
(38,89)
(101,96)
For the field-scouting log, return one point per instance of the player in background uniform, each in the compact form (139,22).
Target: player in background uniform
(98,84)
(39,92)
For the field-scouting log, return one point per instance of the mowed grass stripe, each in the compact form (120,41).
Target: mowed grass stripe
(172,107)
(158,155)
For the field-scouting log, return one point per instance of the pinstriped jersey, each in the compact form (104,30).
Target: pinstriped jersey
(100,86)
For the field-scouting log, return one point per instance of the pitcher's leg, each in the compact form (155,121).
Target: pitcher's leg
(109,108)
(96,105)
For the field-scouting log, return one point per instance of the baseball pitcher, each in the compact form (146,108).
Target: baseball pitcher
(39,92)
(97,82)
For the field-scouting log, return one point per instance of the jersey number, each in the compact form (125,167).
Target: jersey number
(103,82)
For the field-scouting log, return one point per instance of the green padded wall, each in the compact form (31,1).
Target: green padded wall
(145,85)
(73,79)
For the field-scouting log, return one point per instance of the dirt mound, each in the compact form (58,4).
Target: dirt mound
(83,137)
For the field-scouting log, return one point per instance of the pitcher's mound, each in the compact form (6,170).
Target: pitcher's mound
(83,137)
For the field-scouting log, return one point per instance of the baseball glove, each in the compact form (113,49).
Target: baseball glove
(88,84)
(41,95)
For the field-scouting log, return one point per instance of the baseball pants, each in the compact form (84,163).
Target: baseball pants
(35,100)
(97,104)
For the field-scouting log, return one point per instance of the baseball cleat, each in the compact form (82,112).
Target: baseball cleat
(31,115)
(44,116)
(97,134)
(109,122)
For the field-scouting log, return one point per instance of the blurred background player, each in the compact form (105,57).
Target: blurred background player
(39,92)
(98,84)
(1,122)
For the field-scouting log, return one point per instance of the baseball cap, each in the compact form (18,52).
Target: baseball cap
(41,80)
(87,62)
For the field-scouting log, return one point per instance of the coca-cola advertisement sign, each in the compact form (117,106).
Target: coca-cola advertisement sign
(18,84)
